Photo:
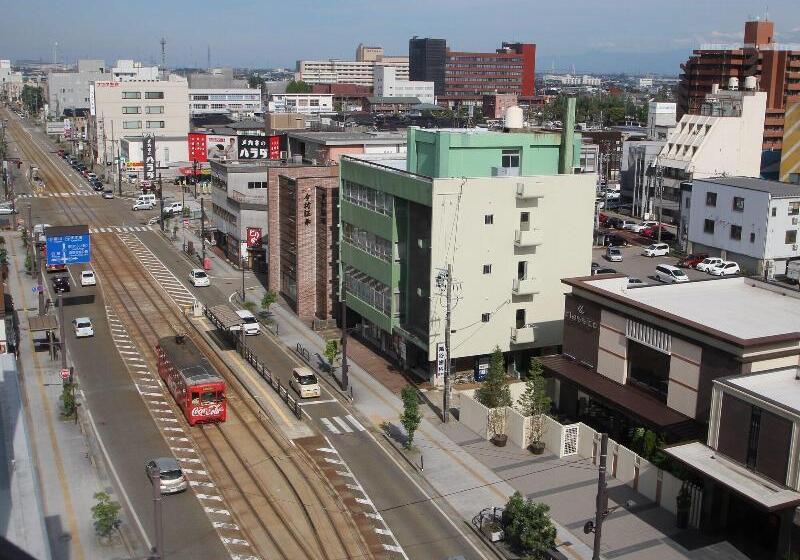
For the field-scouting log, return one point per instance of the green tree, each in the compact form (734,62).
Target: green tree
(494,392)
(68,400)
(249,305)
(298,86)
(331,351)
(255,82)
(269,298)
(527,526)
(534,401)
(105,514)
(410,418)
(32,98)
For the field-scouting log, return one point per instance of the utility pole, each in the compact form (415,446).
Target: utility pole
(112,146)
(62,332)
(601,508)
(203,233)
(345,366)
(158,549)
(161,202)
(194,177)
(660,193)
(448,303)
(119,172)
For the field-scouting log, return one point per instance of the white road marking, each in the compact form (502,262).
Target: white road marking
(217,511)
(192,471)
(229,526)
(213,498)
(327,450)
(386,532)
(355,423)
(309,403)
(330,426)
(200,483)
(343,424)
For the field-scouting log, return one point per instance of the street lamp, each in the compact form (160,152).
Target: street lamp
(155,479)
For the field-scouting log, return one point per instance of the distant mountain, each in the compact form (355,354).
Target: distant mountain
(666,62)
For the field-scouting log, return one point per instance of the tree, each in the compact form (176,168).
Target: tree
(410,418)
(534,401)
(298,86)
(331,351)
(527,526)
(494,392)
(105,514)
(255,82)
(33,98)
(269,298)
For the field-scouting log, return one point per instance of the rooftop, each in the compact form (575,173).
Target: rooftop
(344,138)
(739,310)
(781,387)
(189,360)
(376,99)
(774,188)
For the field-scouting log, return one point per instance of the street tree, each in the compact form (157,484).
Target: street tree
(410,418)
(528,527)
(269,298)
(105,514)
(331,351)
(298,86)
(494,392)
(534,401)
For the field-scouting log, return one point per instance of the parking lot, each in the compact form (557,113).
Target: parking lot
(635,264)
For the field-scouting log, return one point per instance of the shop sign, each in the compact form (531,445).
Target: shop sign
(579,318)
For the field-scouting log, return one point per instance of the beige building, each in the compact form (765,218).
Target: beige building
(357,72)
(365,53)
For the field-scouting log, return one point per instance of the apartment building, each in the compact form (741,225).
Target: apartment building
(68,92)
(236,103)
(386,84)
(358,72)
(660,119)
(790,153)
(303,103)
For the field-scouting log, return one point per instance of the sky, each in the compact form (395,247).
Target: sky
(590,35)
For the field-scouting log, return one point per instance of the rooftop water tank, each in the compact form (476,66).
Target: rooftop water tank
(733,84)
(513,117)
(750,83)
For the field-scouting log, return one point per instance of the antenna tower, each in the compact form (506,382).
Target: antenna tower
(163,53)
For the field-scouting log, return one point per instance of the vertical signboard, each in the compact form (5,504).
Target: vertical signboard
(198,147)
(149,157)
(441,359)
(307,208)
(92,106)
(274,147)
(254,237)
(249,146)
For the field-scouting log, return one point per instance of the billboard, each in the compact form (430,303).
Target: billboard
(198,150)
(221,147)
(149,157)
(67,245)
(254,237)
(249,146)
(92,105)
(274,147)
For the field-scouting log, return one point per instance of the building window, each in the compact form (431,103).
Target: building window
(510,158)
(485,317)
(155,124)
(774,211)
(131,124)
(524,218)
(738,204)
(488,219)
(487,269)
(736,232)
(794,209)
(752,238)
(752,440)
(256,185)
(154,95)
(708,226)
(156,110)
(711,199)
(131,95)
(791,237)
(131,110)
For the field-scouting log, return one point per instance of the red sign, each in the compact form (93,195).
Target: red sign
(206,411)
(254,237)
(65,374)
(197,147)
(274,147)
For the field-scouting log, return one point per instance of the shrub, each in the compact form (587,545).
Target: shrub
(528,528)
(105,514)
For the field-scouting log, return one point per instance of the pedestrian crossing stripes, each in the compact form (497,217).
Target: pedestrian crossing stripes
(58,194)
(120,229)
(338,425)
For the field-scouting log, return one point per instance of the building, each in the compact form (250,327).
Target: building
(169,150)
(646,357)
(358,72)
(645,82)
(426,62)
(304,103)
(10,81)
(368,54)
(280,122)
(790,153)
(751,221)
(346,97)
(390,105)
(495,104)
(570,80)
(775,67)
(660,119)
(133,108)
(724,138)
(610,143)
(216,78)
(590,157)
(386,84)
(236,103)
(490,206)
(131,70)
(637,170)
(68,92)
(749,464)
(322,147)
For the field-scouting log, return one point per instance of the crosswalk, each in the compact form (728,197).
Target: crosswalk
(342,424)
(120,229)
(58,194)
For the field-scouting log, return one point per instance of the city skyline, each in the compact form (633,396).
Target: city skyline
(633,39)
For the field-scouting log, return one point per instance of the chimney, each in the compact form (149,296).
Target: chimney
(567,138)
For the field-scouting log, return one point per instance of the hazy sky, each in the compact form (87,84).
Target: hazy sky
(592,35)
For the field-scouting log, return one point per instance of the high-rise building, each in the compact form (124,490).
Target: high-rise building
(426,62)
(775,65)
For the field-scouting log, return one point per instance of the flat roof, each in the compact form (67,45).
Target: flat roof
(747,483)
(395,161)
(780,387)
(740,310)
(375,99)
(774,188)
(188,360)
(344,138)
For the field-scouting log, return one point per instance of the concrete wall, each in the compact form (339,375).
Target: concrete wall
(474,416)
(612,352)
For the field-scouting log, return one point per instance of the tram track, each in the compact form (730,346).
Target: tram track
(305,518)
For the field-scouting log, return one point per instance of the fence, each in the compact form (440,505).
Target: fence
(273,381)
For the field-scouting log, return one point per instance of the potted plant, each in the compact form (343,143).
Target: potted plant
(495,395)
(493,530)
(534,403)
(684,505)
(527,527)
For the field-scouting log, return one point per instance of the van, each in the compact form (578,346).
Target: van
(146,198)
(173,208)
(249,322)
(670,274)
(656,250)
(305,382)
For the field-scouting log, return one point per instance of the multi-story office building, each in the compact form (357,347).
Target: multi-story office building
(358,72)
(426,60)
(234,102)
(775,66)
(660,119)
(133,70)
(386,84)
(488,205)
(68,92)
(304,103)
(365,53)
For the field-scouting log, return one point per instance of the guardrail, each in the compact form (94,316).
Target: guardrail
(273,381)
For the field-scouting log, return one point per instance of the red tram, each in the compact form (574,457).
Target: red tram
(195,386)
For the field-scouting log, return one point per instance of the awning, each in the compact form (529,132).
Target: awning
(42,323)
(755,488)
(224,317)
(628,400)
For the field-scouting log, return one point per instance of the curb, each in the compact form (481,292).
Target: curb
(400,451)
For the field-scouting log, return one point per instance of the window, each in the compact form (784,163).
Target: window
(155,124)
(520,319)
(198,97)
(774,211)
(738,204)
(524,218)
(752,440)
(522,270)
(256,185)
(485,317)
(708,226)
(711,199)
(752,238)
(794,209)
(510,158)
(156,110)
(791,237)
(487,269)
(488,219)
(131,110)
(314,103)
(154,95)
(131,95)
(736,232)
(131,124)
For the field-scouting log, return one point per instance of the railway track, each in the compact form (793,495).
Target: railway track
(282,502)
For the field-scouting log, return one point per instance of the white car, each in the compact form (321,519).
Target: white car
(725,268)
(142,205)
(199,278)
(88,278)
(614,254)
(173,208)
(708,263)
(83,327)
(657,250)
(627,224)
(7,210)
(249,322)
(305,383)
(639,228)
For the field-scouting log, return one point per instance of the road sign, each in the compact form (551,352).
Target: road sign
(37,289)
(65,374)
(67,245)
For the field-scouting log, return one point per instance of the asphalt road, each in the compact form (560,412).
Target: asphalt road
(635,264)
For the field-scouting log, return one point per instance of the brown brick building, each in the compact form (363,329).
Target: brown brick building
(776,66)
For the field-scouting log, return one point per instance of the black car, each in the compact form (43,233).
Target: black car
(615,241)
(615,223)
(603,270)
(108,193)
(60,284)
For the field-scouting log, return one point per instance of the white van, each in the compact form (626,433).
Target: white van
(305,383)
(249,322)
(670,274)
(146,198)
(173,208)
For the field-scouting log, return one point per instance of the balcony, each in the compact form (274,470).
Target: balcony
(525,287)
(523,335)
(529,190)
(528,238)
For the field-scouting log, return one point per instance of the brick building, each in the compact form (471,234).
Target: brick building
(775,65)
(495,104)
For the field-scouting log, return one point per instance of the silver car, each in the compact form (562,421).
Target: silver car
(172,478)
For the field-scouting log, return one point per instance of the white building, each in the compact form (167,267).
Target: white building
(10,81)
(570,80)
(386,84)
(235,102)
(69,91)
(751,221)
(348,71)
(132,70)
(661,119)
(305,103)
(133,108)
(645,82)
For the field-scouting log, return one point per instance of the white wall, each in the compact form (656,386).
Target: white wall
(386,84)
(304,103)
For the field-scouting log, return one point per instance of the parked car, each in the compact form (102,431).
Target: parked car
(652,233)
(305,382)
(249,322)
(602,217)
(7,210)
(615,241)
(88,278)
(613,222)
(108,193)
(61,284)
(198,278)
(613,254)
(626,224)
(170,476)
(691,261)
(708,263)
(725,268)
(142,205)
(633,282)
(793,272)
(83,327)
(670,274)
(603,270)
(656,250)
(647,224)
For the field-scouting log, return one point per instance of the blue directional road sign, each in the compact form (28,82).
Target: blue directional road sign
(67,245)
